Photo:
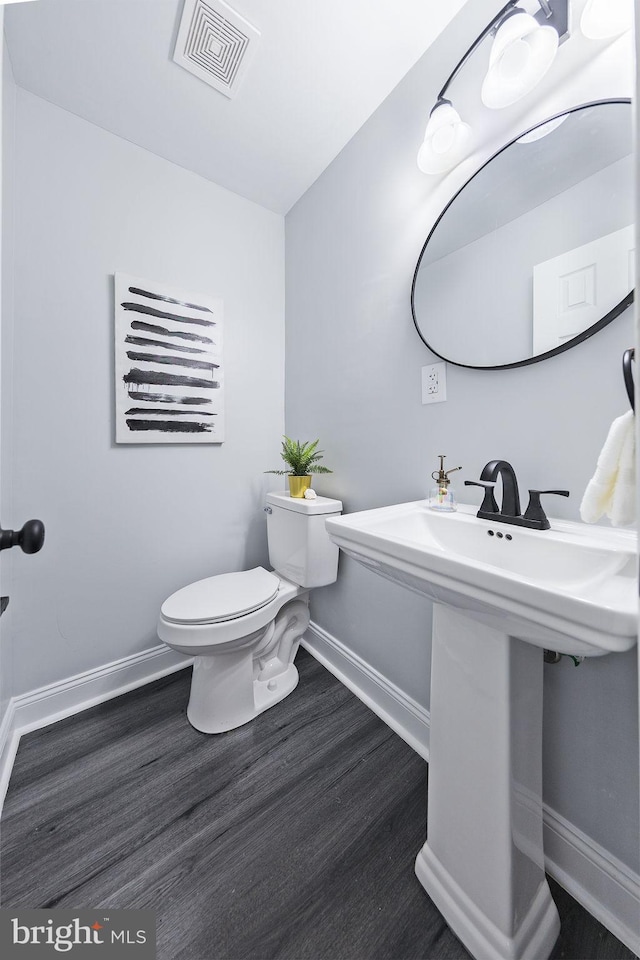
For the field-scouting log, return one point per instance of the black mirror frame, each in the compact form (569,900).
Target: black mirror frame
(594,328)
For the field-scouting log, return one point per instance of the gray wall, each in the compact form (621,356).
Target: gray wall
(353,379)
(127,525)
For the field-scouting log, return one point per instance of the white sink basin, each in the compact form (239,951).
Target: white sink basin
(572,588)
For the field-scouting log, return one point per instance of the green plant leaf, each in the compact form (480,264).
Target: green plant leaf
(302,458)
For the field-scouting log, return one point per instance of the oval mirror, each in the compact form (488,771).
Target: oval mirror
(535,252)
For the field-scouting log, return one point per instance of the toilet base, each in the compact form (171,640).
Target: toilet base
(264,694)
(238,681)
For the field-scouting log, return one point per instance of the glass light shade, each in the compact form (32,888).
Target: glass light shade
(605,19)
(521,54)
(447,140)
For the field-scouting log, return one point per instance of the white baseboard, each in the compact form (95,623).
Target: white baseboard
(604,886)
(46,705)
(9,740)
(398,710)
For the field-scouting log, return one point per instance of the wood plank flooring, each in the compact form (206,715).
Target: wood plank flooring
(292,838)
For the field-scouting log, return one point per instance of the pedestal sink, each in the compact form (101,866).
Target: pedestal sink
(501,593)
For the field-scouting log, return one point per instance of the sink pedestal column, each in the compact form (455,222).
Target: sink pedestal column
(483,864)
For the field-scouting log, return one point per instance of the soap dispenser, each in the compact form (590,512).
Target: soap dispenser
(442,497)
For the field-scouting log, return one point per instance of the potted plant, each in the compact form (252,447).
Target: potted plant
(302,460)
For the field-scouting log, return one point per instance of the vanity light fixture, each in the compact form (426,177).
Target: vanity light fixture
(523,50)
(606,19)
(447,139)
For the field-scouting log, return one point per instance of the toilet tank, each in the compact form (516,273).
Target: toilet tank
(299,545)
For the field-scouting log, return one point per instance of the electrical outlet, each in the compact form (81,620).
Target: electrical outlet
(434,383)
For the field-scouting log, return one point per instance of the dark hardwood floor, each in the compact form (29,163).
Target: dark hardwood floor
(291,838)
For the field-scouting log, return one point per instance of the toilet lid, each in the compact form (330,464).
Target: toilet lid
(225,597)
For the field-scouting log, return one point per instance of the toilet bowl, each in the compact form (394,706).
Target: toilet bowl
(244,628)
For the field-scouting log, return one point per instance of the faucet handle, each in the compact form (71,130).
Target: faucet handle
(488,504)
(534,509)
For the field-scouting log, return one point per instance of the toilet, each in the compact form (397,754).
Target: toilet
(244,628)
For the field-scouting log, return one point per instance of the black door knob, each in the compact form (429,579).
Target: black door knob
(30,538)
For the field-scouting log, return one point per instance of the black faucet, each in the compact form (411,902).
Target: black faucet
(534,516)
(510,496)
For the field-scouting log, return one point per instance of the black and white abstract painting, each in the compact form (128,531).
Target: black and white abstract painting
(168,361)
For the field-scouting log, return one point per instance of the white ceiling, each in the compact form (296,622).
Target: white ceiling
(321,68)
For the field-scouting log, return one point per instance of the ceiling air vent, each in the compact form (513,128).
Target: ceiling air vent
(216,44)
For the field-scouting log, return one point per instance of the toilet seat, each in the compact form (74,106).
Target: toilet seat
(227,596)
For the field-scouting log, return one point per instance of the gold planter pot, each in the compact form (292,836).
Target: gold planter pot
(298,485)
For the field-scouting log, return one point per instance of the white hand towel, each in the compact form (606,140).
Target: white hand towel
(611,491)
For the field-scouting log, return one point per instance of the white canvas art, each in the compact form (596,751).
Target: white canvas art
(168,363)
